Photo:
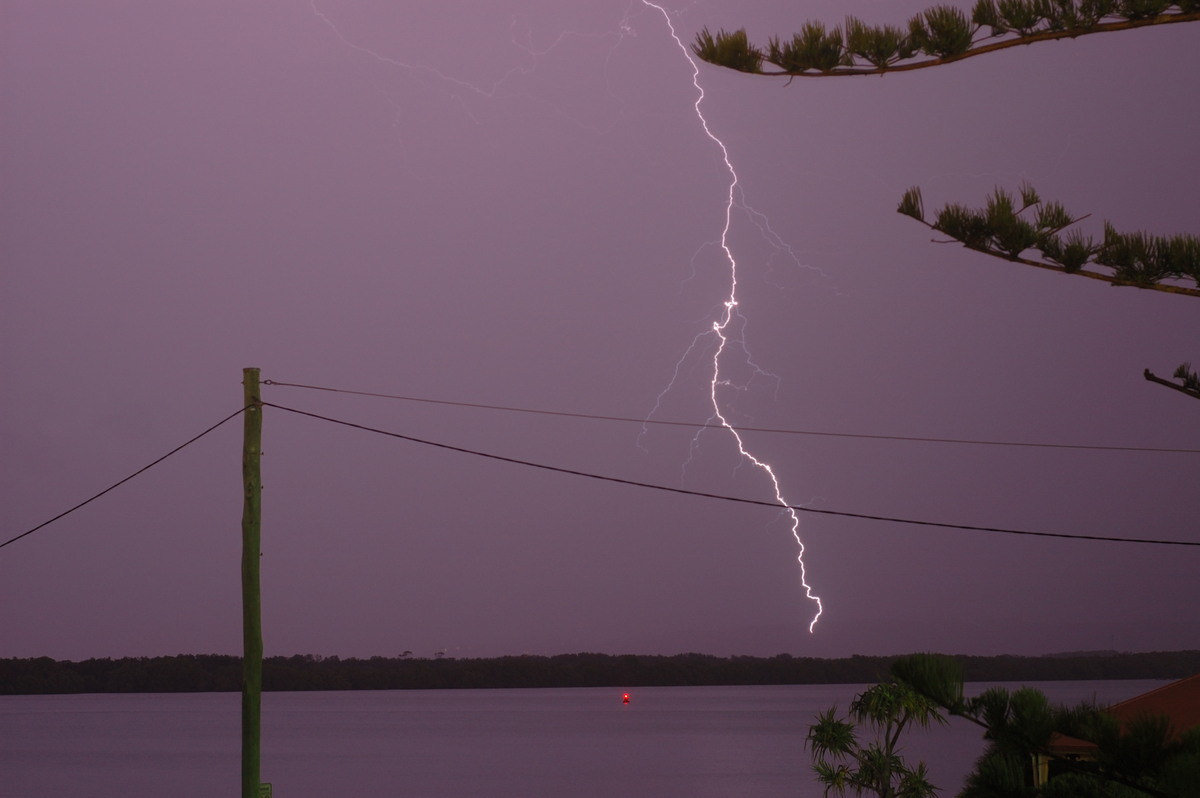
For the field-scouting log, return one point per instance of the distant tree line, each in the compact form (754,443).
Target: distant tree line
(188,673)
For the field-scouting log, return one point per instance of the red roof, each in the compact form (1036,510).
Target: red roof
(1179,701)
(1062,745)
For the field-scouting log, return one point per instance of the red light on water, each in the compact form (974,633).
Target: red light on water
(625,698)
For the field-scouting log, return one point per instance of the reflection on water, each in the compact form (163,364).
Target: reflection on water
(694,741)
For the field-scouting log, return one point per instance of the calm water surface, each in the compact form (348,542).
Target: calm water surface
(669,741)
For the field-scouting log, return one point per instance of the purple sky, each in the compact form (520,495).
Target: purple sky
(514,203)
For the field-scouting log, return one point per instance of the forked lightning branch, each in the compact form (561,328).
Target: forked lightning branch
(720,326)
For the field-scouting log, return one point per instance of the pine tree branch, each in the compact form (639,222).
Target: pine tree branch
(1195,394)
(1167,288)
(979,237)
(750,58)
(1108,278)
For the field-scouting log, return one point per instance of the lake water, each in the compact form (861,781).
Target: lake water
(668,741)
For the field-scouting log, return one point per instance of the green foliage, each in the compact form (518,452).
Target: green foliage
(1138,759)
(1094,10)
(915,783)
(940,32)
(1181,773)
(1052,215)
(945,33)
(984,14)
(1027,17)
(965,225)
(1029,195)
(1072,254)
(813,48)
(1143,748)
(999,775)
(911,204)
(935,676)
(1181,254)
(1142,9)
(1022,16)
(879,46)
(1135,760)
(1145,260)
(842,761)
(1064,15)
(730,49)
(1191,381)
(830,736)
(895,702)
(1010,234)
(1018,721)
(1003,229)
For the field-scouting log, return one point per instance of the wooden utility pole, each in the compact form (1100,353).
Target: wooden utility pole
(252,646)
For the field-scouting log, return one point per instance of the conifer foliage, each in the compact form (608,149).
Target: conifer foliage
(938,35)
(1008,228)
(1027,230)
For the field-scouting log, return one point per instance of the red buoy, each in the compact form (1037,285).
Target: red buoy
(625,698)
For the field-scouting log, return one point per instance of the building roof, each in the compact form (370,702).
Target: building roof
(1178,701)
(1062,745)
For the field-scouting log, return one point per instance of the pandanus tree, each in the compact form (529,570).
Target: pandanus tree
(1137,760)
(1004,228)
(844,760)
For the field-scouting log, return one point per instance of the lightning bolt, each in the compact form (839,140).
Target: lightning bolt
(720,327)
(728,328)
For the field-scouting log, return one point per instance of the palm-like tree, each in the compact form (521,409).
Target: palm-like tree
(875,766)
(1138,760)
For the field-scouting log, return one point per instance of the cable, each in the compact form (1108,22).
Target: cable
(123,481)
(761,503)
(740,428)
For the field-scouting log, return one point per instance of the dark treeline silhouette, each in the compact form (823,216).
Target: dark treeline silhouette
(219,673)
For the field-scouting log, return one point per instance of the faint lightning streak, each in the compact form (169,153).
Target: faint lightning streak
(720,326)
(492,92)
(383,59)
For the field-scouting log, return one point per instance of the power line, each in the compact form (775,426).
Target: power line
(693,424)
(126,479)
(758,502)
